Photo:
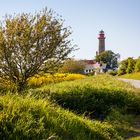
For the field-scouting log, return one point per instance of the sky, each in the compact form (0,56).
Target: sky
(120,20)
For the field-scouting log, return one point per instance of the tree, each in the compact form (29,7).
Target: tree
(127,66)
(122,67)
(109,58)
(28,41)
(131,65)
(73,66)
(137,65)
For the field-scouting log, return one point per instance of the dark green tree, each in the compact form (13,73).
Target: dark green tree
(28,41)
(109,58)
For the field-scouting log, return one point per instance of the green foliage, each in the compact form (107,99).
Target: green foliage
(123,66)
(73,66)
(102,97)
(131,65)
(35,119)
(137,65)
(135,138)
(112,72)
(39,80)
(30,42)
(125,124)
(93,96)
(109,58)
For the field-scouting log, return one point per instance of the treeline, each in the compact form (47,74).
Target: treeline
(129,65)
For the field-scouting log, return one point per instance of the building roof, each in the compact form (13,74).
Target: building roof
(90,61)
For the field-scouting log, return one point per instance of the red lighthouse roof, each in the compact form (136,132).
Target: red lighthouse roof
(101,35)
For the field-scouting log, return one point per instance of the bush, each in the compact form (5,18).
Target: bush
(73,66)
(39,80)
(137,65)
(131,65)
(6,85)
(112,72)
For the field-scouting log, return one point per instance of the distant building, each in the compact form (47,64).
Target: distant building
(92,65)
(101,47)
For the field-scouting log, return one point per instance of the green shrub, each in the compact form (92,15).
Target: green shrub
(112,72)
(137,65)
(131,65)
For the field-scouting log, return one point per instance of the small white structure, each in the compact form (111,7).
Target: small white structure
(91,66)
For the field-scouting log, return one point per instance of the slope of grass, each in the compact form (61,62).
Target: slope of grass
(113,103)
(95,96)
(135,76)
(135,138)
(103,97)
(35,119)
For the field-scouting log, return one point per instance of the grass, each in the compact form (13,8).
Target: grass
(135,76)
(94,96)
(103,98)
(134,138)
(35,119)
(93,108)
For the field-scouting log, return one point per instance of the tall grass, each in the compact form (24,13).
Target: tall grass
(95,96)
(35,119)
(102,98)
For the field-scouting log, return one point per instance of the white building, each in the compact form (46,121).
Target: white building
(91,66)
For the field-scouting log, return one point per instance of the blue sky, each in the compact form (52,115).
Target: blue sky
(120,19)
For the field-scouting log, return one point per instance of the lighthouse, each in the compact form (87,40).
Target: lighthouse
(101,47)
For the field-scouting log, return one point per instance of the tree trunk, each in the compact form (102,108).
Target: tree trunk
(21,86)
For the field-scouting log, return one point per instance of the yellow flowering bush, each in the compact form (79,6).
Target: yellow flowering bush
(39,80)
(6,85)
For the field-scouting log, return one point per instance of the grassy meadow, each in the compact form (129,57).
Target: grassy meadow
(87,108)
(135,76)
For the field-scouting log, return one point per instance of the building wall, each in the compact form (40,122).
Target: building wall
(101,45)
(91,67)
